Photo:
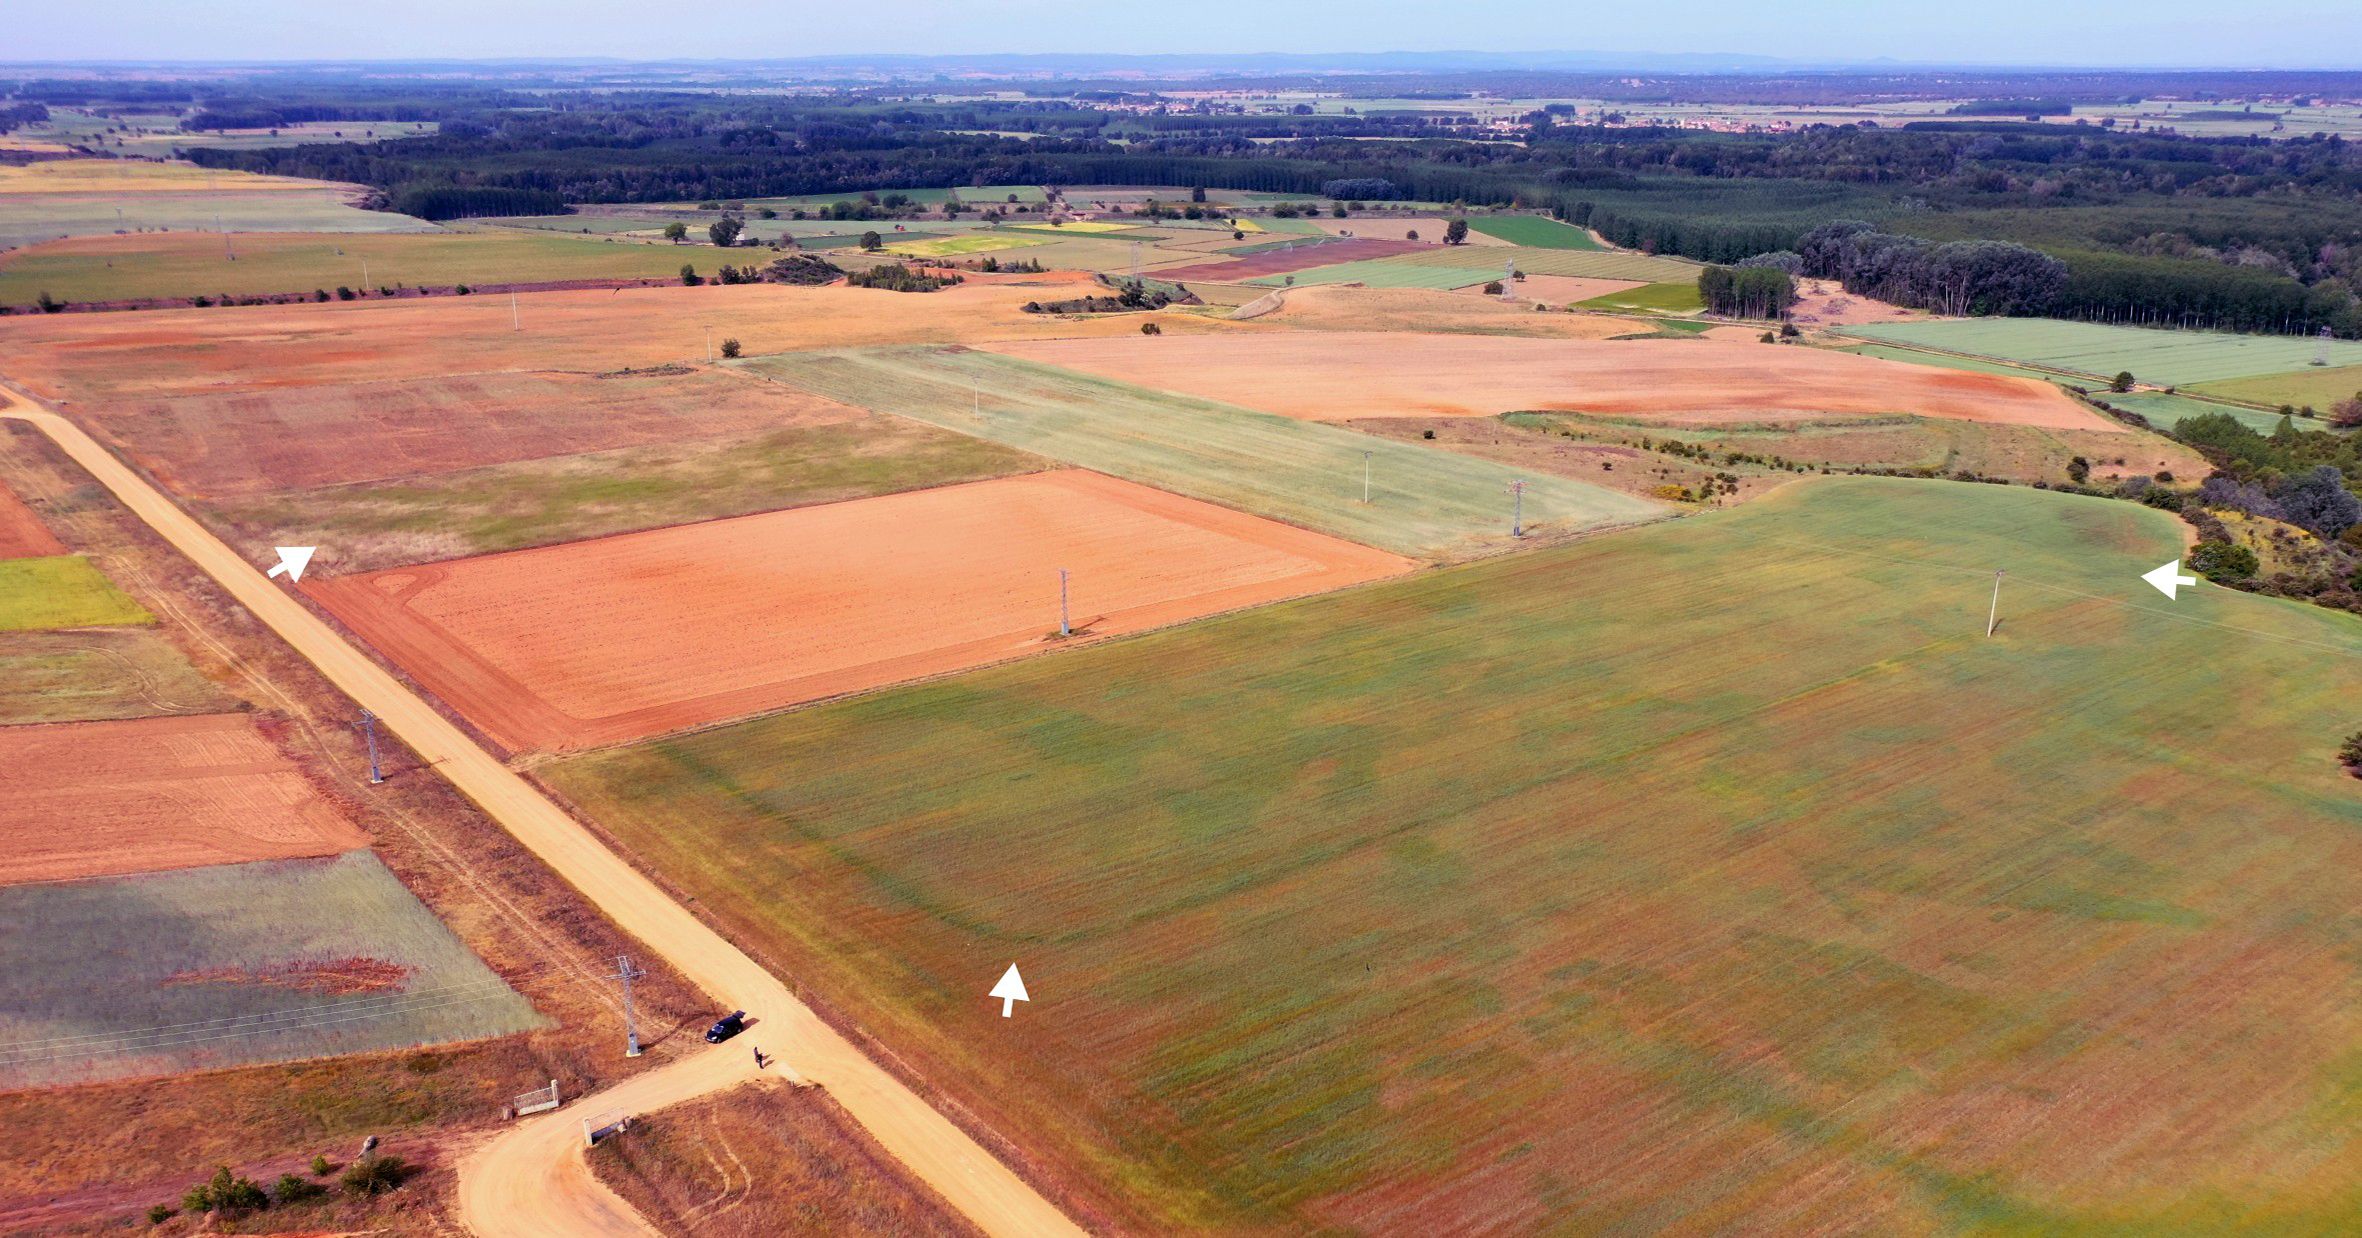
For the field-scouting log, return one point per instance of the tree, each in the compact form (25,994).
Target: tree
(675,231)
(2346,414)
(871,241)
(730,348)
(1337,210)
(2079,470)
(689,275)
(2350,754)
(2223,562)
(2122,382)
(2319,501)
(1456,232)
(1410,234)
(725,230)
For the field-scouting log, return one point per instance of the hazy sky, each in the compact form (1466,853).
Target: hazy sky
(2203,33)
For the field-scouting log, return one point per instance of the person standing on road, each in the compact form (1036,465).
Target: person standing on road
(758,1059)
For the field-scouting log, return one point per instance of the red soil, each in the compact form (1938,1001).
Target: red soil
(1339,375)
(211,446)
(1281,261)
(619,638)
(89,799)
(335,977)
(22,535)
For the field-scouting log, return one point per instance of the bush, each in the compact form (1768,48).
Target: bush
(2350,753)
(48,304)
(2121,383)
(322,1166)
(2223,562)
(871,241)
(730,348)
(1150,328)
(343,293)
(225,1192)
(376,1175)
(1493,289)
(689,275)
(161,1213)
(462,290)
(297,1189)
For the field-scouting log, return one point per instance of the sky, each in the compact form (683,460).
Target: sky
(2130,33)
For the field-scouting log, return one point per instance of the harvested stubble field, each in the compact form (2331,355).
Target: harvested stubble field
(1340,375)
(1391,273)
(1424,310)
(84,197)
(1294,258)
(371,525)
(1399,228)
(1425,503)
(188,264)
(108,358)
(232,965)
(97,674)
(1821,912)
(2173,358)
(93,799)
(1565,290)
(255,442)
(764,1161)
(62,591)
(1580,264)
(22,535)
(618,639)
(1535,232)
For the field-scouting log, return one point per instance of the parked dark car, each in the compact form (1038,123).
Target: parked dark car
(729,1025)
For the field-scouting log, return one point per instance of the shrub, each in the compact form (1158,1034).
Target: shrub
(1427,434)
(2078,470)
(1150,328)
(48,303)
(161,1213)
(225,1192)
(2350,754)
(2223,562)
(297,1189)
(319,294)
(344,293)
(322,1166)
(730,348)
(689,275)
(871,241)
(201,302)
(462,290)
(1672,493)
(1493,289)
(1769,338)
(376,1175)
(2121,383)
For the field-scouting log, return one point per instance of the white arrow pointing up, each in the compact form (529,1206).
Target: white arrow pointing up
(1010,990)
(293,560)
(2168,578)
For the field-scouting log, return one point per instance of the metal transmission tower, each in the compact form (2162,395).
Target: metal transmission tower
(1993,616)
(625,972)
(2321,347)
(368,726)
(1135,261)
(1064,628)
(1517,508)
(1365,476)
(1509,280)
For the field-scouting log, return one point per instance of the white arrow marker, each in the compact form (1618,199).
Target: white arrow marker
(2168,578)
(1011,990)
(293,560)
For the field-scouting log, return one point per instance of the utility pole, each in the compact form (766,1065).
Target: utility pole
(1064,628)
(368,725)
(625,972)
(364,275)
(1365,477)
(1993,616)
(516,322)
(1517,517)
(709,345)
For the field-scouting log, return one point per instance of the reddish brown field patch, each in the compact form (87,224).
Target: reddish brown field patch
(22,535)
(1281,261)
(337,977)
(1342,375)
(1565,289)
(624,637)
(253,442)
(92,799)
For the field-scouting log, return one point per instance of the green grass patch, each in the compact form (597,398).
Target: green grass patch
(62,591)
(1535,231)
(2166,411)
(1423,501)
(2320,387)
(1733,838)
(2169,358)
(1651,298)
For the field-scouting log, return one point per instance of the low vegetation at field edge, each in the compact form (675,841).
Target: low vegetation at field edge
(98,673)
(62,591)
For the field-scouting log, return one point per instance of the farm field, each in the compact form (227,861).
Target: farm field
(1337,375)
(1385,273)
(2317,387)
(1398,228)
(187,264)
(232,965)
(98,799)
(1686,910)
(1565,290)
(758,1162)
(84,197)
(1278,261)
(1428,310)
(1578,263)
(553,499)
(2166,411)
(159,135)
(621,638)
(1651,298)
(954,246)
(2169,358)
(158,353)
(62,591)
(1534,231)
(1424,503)
(254,442)
(98,674)
(22,535)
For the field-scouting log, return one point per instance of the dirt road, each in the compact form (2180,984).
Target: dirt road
(531,1180)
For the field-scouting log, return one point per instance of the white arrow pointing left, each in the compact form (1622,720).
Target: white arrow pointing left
(293,560)
(1010,990)
(2168,578)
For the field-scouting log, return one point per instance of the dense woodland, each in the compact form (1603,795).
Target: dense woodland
(2242,233)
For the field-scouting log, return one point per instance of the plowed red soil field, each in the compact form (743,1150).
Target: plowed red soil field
(90,799)
(94,357)
(619,638)
(22,535)
(252,442)
(1282,261)
(1341,375)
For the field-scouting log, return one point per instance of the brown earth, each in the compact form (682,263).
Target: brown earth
(90,799)
(1335,376)
(620,638)
(1398,227)
(1281,261)
(253,442)
(81,359)
(1822,303)
(760,1161)
(22,535)
(1562,289)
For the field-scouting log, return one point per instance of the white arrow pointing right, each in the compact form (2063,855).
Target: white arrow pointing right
(1010,990)
(2168,578)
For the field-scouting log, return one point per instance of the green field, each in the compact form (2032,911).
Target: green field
(205,968)
(62,591)
(950,246)
(2166,411)
(1383,273)
(96,674)
(1582,264)
(1535,231)
(594,494)
(1424,502)
(2318,387)
(182,264)
(159,135)
(1653,298)
(1296,227)
(1564,885)
(2168,358)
